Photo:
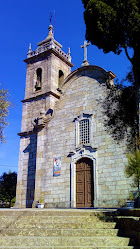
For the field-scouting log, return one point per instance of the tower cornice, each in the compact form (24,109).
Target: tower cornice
(40,96)
(44,51)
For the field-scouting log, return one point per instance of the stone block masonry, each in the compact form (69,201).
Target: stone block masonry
(64,119)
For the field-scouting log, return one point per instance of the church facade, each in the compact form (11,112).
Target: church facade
(66,157)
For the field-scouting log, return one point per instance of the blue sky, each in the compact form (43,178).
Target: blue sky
(27,21)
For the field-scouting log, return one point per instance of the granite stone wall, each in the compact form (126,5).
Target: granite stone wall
(82,95)
(82,92)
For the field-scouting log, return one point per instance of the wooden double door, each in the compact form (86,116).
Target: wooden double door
(84,183)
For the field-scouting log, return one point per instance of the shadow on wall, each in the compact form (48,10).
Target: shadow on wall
(32,151)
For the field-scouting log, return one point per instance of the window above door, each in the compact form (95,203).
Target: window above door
(83,130)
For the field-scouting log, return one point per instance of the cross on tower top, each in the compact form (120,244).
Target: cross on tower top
(85,61)
(50,18)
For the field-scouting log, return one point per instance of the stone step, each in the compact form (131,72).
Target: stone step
(59,232)
(70,247)
(55,212)
(128,212)
(126,218)
(66,225)
(63,241)
(49,219)
(128,224)
(61,228)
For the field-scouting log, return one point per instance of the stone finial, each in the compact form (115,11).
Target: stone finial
(50,31)
(30,50)
(69,52)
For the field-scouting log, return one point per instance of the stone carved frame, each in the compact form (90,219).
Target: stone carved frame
(91,128)
(81,153)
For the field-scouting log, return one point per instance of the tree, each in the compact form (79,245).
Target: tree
(120,112)
(8,187)
(114,25)
(133,169)
(119,108)
(4,104)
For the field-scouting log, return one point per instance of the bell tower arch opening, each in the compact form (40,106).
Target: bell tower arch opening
(38,83)
(60,78)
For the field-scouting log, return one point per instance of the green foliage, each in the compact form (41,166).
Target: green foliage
(131,196)
(8,187)
(121,120)
(13,201)
(133,166)
(4,105)
(41,199)
(112,24)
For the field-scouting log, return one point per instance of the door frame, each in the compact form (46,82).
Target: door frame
(84,170)
(81,153)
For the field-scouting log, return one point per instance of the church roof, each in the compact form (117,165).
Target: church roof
(99,73)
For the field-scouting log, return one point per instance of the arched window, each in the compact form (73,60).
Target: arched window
(61,78)
(38,79)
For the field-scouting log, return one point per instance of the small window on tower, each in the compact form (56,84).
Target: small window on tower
(38,79)
(61,78)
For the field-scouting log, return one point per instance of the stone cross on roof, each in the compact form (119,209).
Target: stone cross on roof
(85,61)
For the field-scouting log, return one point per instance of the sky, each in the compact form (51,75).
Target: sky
(27,21)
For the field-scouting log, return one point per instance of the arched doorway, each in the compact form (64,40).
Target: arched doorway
(84,183)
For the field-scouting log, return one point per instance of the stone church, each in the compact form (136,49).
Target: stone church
(66,156)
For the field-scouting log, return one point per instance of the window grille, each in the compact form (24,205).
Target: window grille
(84,131)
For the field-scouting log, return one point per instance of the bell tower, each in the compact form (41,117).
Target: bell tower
(47,67)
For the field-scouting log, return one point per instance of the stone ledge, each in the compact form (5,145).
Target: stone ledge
(35,130)
(41,95)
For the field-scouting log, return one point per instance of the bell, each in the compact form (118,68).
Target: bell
(37,85)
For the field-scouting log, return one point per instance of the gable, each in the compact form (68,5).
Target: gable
(95,72)
(82,92)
